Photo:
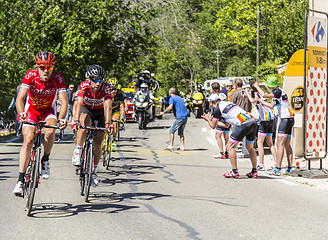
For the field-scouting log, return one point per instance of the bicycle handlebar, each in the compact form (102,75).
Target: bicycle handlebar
(41,124)
(101,129)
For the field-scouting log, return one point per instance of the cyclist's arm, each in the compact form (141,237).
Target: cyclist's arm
(122,109)
(20,99)
(108,110)
(62,96)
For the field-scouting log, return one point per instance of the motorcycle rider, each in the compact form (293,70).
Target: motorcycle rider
(144,91)
(118,108)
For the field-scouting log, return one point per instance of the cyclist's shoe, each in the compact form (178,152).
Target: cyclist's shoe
(273,172)
(231,175)
(260,167)
(226,155)
(252,174)
(76,159)
(114,147)
(94,180)
(18,189)
(45,171)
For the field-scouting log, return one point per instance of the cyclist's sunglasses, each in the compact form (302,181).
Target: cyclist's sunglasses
(49,68)
(96,80)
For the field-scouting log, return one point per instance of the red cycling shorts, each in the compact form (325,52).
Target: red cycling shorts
(35,116)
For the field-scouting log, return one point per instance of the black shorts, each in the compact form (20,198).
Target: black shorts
(286,126)
(266,127)
(95,114)
(247,129)
(222,129)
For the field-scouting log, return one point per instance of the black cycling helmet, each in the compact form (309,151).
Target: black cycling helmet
(45,58)
(95,71)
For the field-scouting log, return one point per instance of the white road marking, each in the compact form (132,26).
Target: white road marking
(282,180)
(204,129)
(11,140)
(211,141)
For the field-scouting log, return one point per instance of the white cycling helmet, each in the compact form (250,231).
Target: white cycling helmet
(222,96)
(213,98)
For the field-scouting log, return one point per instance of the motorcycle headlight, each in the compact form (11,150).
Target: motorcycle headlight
(138,104)
(194,101)
(145,104)
(200,101)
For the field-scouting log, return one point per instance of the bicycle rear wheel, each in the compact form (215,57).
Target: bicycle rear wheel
(88,172)
(109,152)
(33,180)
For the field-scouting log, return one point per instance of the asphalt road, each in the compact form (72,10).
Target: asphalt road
(152,193)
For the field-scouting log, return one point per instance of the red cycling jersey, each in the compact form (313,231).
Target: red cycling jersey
(94,100)
(42,94)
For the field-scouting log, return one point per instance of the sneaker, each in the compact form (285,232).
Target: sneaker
(18,189)
(76,159)
(260,167)
(45,171)
(94,180)
(252,174)
(226,155)
(219,156)
(114,147)
(273,172)
(231,175)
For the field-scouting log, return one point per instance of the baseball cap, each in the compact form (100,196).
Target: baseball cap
(213,98)
(229,84)
(271,82)
(71,86)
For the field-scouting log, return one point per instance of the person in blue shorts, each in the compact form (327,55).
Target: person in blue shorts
(180,113)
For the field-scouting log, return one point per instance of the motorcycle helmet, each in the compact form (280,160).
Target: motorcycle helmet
(113,82)
(45,58)
(199,86)
(95,71)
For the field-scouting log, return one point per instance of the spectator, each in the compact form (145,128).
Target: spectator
(239,97)
(70,99)
(224,90)
(180,112)
(219,131)
(13,105)
(230,89)
(286,115)
(166,100)
(244,126)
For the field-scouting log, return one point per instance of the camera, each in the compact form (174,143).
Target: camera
(252,94)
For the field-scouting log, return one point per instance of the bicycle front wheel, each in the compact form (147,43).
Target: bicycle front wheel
(109,144)
(33,180)
(88,172)
(82,169)
(105,150)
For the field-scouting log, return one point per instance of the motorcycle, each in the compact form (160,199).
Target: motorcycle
(198,104)
(141,104)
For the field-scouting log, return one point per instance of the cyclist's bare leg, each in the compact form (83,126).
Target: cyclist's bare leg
(260,148)
(81,134)
(218,136)
(49,135)
(116,117)
(25,152)
(97,140)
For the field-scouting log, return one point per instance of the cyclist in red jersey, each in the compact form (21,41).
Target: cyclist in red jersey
(94,102)
(40,87)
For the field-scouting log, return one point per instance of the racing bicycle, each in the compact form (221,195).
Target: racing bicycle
(87,160)
(32,176)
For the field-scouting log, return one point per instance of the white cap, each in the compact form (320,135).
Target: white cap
(213,98)
(222,96)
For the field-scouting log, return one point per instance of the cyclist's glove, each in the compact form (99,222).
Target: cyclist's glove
(21,116)
(75,123)
(108,127)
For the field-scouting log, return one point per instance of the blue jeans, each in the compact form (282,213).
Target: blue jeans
(178,124)
(68,111)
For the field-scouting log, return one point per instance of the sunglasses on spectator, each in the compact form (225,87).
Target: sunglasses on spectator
(49,68)
(96,80)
